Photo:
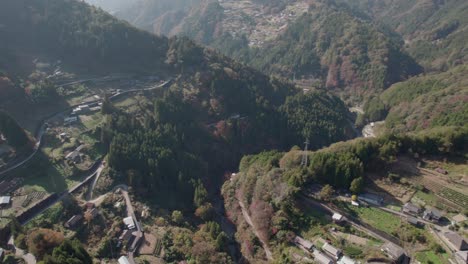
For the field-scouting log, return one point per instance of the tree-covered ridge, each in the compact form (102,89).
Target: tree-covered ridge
(269,183)
(434,31)
(439,99)
(344,51)
(177,140)
(12,131)
(79,34)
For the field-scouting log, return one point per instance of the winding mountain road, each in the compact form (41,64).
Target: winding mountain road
(247,218)
(43,126)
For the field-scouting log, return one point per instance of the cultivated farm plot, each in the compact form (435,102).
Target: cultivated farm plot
(453,198)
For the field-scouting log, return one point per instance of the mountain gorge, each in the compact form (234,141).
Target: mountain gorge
(317,43)
(434,31)
(189,117)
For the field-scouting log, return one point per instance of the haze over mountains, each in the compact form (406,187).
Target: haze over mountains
(145,119)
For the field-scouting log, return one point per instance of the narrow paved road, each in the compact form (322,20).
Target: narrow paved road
(249,221)
(138,233)
(42,129)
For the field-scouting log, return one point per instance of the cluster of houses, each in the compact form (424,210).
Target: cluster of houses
(328,254)
(86,109)
(131,236)
(413,211)
(76,156)
(75,220)
(81,110)
(458,245)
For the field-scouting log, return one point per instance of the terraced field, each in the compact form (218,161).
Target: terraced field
(449,196)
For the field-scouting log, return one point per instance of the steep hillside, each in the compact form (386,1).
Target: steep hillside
(79,35)
(242,108)
(435,32)
(272,189)
(328,46)
(345,52)
(427,101)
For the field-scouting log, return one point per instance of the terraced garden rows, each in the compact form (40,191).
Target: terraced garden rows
(454,198)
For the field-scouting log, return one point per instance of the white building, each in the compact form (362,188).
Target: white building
(123,260)
(128,221)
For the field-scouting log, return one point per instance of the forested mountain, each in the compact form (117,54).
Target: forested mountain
(80,35)
(343,51)
(271,185)
(438,99)
(435,32)
(326,46)
(222,107)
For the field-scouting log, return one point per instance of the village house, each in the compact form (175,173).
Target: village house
(75,156)
(5,201)
(128,221)
(415,222)
(395,252)
(432,214)
(337,218)
(412,209)
(332,251)
(123,260)
(70,120)
(322,258)
(346,260)
(371,198)
(457,242)
(73,221)
(461,257)
(126,235)
(63,136)
(93,212)
(303,243)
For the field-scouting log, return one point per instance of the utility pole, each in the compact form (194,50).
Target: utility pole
(304,154)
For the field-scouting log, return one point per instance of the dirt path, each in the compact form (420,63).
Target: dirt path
(28,257)
(249,221)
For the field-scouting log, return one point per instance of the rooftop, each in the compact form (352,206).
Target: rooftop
(434,212)
(5,200)
(393,250)
(305,243)
(456,240)
(331,250)
(337,217)
(462,255)
(409,207)
(128,221)
(322,258)
(123,260)
(346,260)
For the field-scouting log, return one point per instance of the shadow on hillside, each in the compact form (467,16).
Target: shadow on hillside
(40,174)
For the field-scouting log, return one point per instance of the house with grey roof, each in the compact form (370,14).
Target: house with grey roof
(303,243)
(461,257)
(394,252)
(432,214)
(332,251)
(371,198)
(456,241)
(73,221)
(321,258)
(411,209)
